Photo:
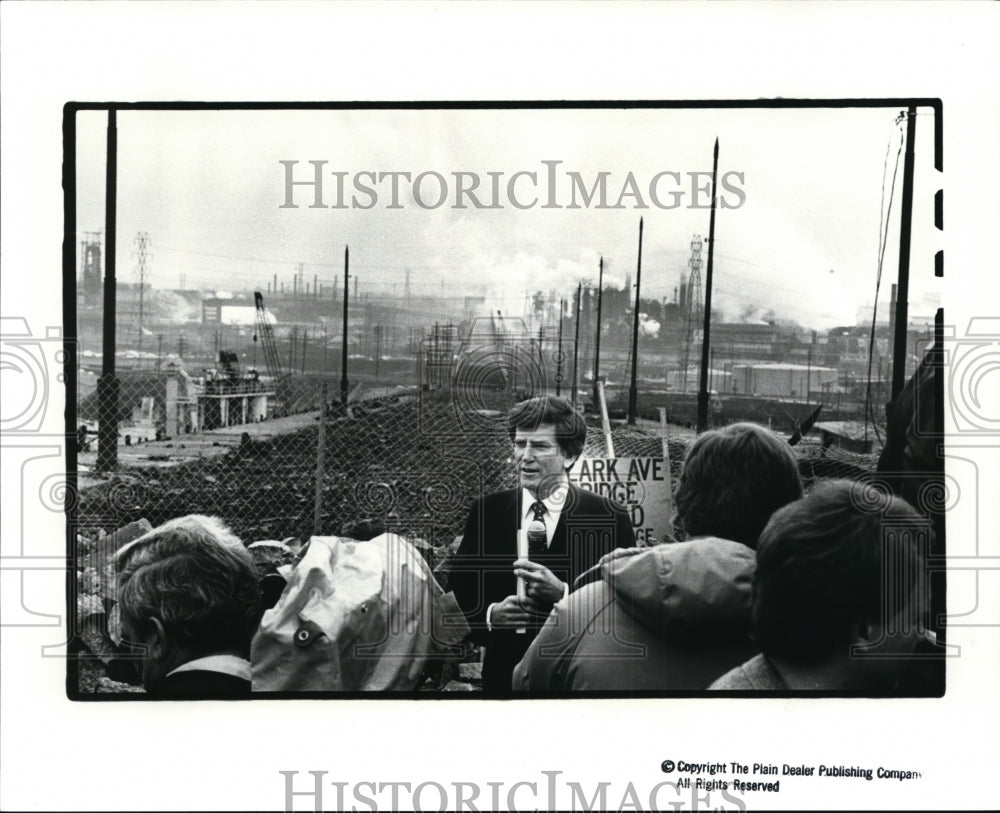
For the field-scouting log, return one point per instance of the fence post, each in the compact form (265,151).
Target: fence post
(605,423)
(320,455)
(665,435)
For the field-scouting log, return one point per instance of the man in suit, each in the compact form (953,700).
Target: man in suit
(675,616)
(189,603)
(579,528)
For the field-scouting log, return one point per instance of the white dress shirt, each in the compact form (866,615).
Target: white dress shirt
(553,508)
(227,664)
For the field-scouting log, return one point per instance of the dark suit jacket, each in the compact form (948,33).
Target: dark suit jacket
(482,570)
(202,683)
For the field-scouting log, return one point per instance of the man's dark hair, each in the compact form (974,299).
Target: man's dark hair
(844,555)
(571,430)
(732,480)
(197,577)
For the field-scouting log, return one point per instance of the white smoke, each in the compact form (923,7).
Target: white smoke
(168,306)
(648,327)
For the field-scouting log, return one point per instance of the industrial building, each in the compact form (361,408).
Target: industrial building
(782,380)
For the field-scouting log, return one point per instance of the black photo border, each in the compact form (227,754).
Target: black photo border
(69,293)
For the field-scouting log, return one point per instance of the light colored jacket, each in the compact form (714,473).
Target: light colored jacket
(669,618)
(355,616)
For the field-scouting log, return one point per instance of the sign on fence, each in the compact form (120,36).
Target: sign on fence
(641,484)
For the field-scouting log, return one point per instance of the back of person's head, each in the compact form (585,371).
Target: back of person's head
(844,557)
(571,429)
(732,480)
(198,579)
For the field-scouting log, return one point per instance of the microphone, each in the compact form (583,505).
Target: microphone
(537,541)
(530,542)
(537,538)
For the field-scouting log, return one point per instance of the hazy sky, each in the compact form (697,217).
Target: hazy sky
(801,238)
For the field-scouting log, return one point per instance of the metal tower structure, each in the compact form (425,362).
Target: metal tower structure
(141,254)
(91,275)
(692,309)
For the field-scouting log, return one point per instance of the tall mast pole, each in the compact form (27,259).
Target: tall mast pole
(541,352)
(597,348)
(576,341)
(705,339)
(635,335)
(903,282)
(107,428)
(559,350)
(343,350)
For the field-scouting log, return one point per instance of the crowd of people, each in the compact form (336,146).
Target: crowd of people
(760,587)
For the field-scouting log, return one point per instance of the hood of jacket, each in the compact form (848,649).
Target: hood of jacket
(687,592)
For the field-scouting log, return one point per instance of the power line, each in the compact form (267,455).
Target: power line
(883,240)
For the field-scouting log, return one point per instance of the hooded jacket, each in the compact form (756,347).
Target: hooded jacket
(674,617)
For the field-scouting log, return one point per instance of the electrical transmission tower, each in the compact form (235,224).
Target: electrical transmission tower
(691,306)
(142,255)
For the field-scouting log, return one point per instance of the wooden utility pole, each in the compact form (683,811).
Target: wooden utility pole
(809,366)
(903,283)
(576,342)
(437,355)
(632,392)
(320,457)
(597,345)
(559,351)
(541,352)
(706,338)
(107,386)
(343,350)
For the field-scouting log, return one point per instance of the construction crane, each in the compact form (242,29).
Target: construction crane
(264,334)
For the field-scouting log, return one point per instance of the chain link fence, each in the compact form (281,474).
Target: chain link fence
(285,458)
(395,458)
